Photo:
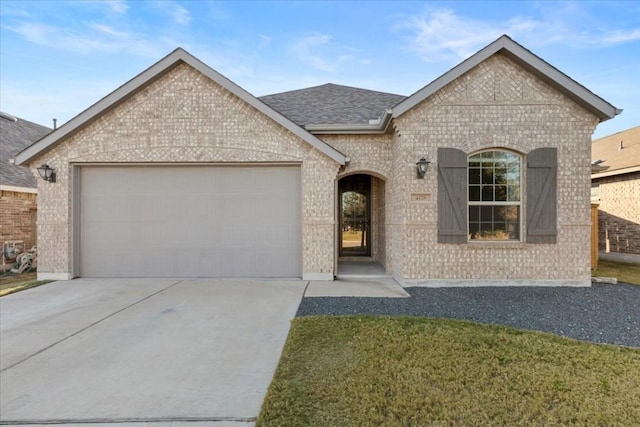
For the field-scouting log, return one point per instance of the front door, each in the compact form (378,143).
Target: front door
(355,216)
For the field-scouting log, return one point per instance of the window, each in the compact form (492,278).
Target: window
(595,191)
(480,196)
(494,195)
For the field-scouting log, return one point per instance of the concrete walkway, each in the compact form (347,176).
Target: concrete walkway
(365,288)
(132,351)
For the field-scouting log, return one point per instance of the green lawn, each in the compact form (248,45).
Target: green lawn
(401,371)
(628,273)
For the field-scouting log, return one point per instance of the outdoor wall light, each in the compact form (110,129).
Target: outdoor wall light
(421,167)
(47,173)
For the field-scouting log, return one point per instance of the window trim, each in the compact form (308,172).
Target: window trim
(521,203)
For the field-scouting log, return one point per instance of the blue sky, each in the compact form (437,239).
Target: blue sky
(58,58)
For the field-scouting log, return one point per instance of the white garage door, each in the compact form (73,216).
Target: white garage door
(190,221)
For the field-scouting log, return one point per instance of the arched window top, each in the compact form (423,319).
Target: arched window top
(495,154)
(494,195)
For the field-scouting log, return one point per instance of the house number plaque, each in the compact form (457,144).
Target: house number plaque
(420,197)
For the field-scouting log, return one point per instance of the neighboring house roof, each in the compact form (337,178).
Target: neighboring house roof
(332,104)
(529,61)
(146,77)
(616,154)
(17,134)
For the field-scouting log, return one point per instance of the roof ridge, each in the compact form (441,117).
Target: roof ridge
(333,85)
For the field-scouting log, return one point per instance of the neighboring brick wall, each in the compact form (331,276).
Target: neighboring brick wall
(497,104)
(183,116)
(619,213)
(17,212)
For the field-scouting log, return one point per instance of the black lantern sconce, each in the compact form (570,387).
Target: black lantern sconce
(47,173)
(421,167)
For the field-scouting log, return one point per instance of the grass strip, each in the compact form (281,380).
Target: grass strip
(407,371)
(628,273)
(10,288)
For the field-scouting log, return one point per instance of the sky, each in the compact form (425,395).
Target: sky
(57,58)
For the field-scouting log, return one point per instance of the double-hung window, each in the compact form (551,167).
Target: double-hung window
(494,195)
(480,196)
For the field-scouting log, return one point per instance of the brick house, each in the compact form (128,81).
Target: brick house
(615,184)
(182,173)
(17,183)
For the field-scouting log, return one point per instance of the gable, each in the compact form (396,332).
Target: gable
(141,83)
(528,61)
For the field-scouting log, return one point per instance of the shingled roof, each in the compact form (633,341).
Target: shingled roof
(616,154)
(17,134)
(332,104)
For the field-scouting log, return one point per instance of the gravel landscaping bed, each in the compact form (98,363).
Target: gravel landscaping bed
(603,313)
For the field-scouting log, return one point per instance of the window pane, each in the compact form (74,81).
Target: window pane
(487,176)
(513,194)
(487,193)
(486,213)
(501,176)
(501,193)
(474,176)
(496,223)
(474,193)
(474,213)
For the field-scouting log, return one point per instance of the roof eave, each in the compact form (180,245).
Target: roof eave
(143,79)
(576,91)
(615,172)
(353,129)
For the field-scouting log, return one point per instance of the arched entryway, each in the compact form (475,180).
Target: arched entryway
(361,214)
(355,216)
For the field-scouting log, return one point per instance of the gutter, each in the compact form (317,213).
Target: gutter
(15,189)
(615,172)
(381,127)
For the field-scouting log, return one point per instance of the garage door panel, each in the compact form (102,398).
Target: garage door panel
(190,221)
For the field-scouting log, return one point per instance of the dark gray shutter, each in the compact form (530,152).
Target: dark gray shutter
(542,166)
(452,196)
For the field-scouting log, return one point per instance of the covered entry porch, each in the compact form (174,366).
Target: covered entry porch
(361,236)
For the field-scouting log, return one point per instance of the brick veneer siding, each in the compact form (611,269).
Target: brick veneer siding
(16,217)
(619,213)
(496,104)
(183,116)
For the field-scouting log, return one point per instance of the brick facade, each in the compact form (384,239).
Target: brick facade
(619,213)
(185,117)
(17,217)
(497,104)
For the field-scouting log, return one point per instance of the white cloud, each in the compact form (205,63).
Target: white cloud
(181,15)
(621,36)
(7,9)
(89,39)
(115,6)
(318,51)
(265,40)
(307,51)
(443,35)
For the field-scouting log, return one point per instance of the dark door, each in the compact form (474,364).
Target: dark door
(355,215)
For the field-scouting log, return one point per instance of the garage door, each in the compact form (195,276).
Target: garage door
(190,221)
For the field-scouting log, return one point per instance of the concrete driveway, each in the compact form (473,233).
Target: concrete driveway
(142,350)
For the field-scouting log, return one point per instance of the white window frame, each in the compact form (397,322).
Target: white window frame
(520,203)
